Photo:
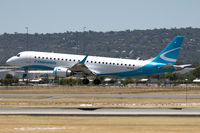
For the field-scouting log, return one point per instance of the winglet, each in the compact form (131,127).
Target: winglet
(83,61)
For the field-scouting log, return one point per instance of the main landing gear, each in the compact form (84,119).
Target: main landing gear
(85,81)
(96,81)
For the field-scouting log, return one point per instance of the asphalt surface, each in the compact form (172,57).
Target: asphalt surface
(100,111)
(54,96)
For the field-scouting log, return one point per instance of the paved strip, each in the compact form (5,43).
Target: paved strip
(100,112)
(54,96)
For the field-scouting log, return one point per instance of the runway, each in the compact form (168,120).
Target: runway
(85,111)
(100,111)
(54,96)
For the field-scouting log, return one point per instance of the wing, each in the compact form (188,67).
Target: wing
(19,69)
(8,68)
(82,68)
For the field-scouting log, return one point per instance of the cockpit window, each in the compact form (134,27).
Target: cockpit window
(18,55)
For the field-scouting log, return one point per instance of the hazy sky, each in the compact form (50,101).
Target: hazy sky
(49,16)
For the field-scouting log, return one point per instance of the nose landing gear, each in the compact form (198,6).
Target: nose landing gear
(25,76)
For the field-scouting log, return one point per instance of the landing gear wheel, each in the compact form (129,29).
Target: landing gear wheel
(85,81)
(97,81)
(24,76)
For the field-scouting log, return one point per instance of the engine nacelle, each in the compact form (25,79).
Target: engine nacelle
(62,72)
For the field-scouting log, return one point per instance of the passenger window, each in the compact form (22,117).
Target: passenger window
(58,58)
(50,58)
(99,62)
(62,59)
(18,55)
(69,59)
(35,57)
(65,59)
(46,57)
(95,62)
(54,58)
(74,60)
(91,61)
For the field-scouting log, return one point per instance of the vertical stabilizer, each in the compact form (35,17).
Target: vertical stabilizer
(170,54)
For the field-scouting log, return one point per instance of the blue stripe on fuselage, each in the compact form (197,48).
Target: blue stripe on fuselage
(149,69)
(37,67)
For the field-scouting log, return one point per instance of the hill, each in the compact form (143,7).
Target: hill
(124,44)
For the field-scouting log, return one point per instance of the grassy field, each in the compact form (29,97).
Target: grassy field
(65,124)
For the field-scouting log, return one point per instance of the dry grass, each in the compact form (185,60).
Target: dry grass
(95,101)
(100,102)
(95,90)
(14,98)
(41,124)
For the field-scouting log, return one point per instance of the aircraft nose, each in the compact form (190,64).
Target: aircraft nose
(9,61)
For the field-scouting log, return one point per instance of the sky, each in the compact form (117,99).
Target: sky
(58,16)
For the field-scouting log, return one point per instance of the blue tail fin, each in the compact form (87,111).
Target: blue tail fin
(170,54)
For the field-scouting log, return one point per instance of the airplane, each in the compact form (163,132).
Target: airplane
(65,65)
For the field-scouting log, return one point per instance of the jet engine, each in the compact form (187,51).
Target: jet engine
(62,72)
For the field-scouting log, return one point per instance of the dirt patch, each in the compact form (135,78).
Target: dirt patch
(47,124)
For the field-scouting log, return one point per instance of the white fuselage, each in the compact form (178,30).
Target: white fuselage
(99,65)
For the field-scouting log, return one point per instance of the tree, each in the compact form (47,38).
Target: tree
(8,79)
(196,72)
(9,76)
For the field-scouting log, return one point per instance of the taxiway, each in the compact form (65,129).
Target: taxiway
(54,96)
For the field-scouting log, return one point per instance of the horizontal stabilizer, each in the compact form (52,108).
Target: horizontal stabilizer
(177,67)
(180,67)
